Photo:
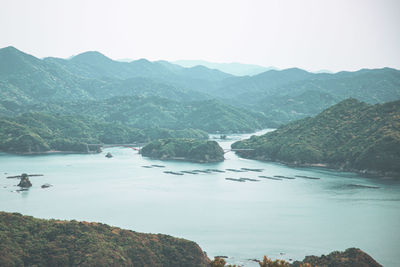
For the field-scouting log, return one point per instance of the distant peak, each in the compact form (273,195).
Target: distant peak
(294,70)
(90,56)
(10,49)
(143,60)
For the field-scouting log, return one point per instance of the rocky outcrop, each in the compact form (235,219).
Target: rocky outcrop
(25,182)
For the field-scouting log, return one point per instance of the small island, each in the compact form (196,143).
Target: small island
(193,150)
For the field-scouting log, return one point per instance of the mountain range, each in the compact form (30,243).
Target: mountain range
(282,95)
(234,68)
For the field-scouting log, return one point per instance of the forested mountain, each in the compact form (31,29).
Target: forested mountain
(351,135)
(26,79)
(152,112)
(292,94)
(27,241)
(91,79)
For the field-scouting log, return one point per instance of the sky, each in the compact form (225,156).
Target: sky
(311,34)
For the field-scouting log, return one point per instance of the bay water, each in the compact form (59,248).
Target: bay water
(283,219)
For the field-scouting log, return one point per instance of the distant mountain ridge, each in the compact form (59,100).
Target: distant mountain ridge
(234,68)
(282,95)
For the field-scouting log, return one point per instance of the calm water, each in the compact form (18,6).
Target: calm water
(285,219)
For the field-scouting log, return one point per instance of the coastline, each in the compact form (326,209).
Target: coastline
(50,152)
(183,159)
(363,173)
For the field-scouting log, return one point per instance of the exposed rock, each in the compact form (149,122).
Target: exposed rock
(109,155)
(25,183)
(46,185)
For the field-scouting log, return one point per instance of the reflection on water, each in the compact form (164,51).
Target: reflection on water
(242,220)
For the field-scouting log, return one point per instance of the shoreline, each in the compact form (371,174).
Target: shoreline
(50,152)
(363,173)
(183,160)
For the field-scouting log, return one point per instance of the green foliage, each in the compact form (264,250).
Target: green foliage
(26,241)
(156,112)
(293,94)
(348,258)
(184,149)
(220,262)
(267,262)
(349,135)
(282,96)
(39,132)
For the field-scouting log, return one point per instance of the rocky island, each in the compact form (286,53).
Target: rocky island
(193,150)
(351,136)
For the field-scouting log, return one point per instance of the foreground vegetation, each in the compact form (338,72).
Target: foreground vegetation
(184,149)
(27,241)
(350,135)
(39,132)
(351,257)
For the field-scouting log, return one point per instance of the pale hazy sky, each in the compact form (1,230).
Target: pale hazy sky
(312,34)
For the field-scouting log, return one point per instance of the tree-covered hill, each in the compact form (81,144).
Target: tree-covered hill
(292,94)
(156,112)
(351,135)
(351,257)
(27,79)
(40,132)
(184,149)
(27,241)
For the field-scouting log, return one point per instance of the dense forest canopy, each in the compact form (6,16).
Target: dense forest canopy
(184,149)
(39,132)
(27,241)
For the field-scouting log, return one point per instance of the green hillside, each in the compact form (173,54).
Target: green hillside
(27,241)
(283,96)
(40,132)
(351,135)
(27,79)
(292,94)
(156,112)
(184,149)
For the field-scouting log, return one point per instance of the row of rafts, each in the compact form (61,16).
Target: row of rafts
(241,179)
(275,177)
